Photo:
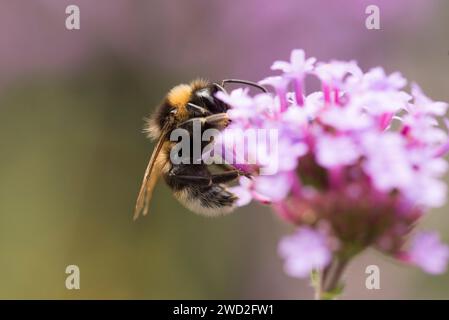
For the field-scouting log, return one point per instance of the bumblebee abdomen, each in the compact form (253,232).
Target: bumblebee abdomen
(212,200)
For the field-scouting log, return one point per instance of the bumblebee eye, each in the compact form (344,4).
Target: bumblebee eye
(173,111)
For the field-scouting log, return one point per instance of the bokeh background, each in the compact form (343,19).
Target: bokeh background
(72,153)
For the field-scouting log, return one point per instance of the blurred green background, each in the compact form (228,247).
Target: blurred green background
(72,154)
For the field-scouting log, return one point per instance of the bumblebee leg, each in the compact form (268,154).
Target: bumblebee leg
(225,176)
(186,179)
(206,180)
(219,119)
(226,166)
(229,167)
(202,110)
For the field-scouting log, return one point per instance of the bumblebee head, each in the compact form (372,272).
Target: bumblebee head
(183,102)
(187,101)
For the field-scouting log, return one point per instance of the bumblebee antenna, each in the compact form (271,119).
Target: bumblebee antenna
(220,87)
(249,83)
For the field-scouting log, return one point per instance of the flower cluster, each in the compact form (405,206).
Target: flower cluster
(360,161)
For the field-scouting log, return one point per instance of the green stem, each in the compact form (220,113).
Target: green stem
(334,278)
(315,277)
(327,283)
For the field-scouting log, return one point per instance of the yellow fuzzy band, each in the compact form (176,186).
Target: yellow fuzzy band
(179,96)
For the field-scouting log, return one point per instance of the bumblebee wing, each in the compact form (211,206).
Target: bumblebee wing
(149,180)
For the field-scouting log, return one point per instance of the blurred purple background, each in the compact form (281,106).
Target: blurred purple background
(71,109)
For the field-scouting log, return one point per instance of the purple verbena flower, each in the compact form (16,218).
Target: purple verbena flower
(298,66)
(427,252)
(304,251)
(296,70)
(362,156)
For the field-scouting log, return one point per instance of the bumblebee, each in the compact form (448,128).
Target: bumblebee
(194,185)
